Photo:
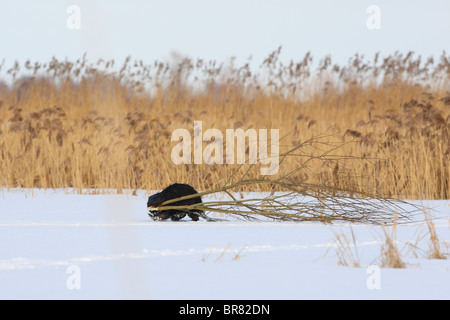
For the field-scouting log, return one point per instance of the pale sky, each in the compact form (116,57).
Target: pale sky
(219,29)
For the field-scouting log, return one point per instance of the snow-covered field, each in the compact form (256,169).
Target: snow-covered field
(55,244)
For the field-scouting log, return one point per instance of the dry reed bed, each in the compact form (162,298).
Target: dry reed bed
(379,127)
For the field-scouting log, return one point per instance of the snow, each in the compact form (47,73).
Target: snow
(55,244)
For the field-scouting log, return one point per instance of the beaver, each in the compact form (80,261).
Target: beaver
(174,191)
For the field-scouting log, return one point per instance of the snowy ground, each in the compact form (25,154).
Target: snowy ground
(61,245)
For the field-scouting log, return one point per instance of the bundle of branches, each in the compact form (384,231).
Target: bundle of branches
(296,205)
(302,201)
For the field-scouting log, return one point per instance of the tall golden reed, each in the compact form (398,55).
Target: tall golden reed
(102,126)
